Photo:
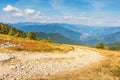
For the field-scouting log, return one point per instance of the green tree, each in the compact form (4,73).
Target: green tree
(4,29)
(12,31)
(31,35)
(100,45)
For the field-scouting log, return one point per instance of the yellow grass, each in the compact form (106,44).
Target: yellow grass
(35,45)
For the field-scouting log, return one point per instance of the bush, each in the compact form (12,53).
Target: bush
(100,45)
(31,35)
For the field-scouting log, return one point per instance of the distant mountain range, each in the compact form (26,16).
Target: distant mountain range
(82,34)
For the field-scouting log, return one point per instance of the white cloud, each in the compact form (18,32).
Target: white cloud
(10,8)
(15,12)
(18,14)
(39,15)
(67,17)
(29,11)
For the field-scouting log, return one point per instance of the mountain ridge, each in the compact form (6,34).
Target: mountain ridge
(86,35)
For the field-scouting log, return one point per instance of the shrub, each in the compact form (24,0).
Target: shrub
(100,45)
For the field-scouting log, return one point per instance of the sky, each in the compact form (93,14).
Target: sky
(85,12)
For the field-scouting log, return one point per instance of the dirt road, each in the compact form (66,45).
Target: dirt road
(22,65)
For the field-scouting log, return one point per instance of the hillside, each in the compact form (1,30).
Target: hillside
(112,38)
(114,46)
(5,29)
(22,44)
(51,28)
(86,35)
(12,38)
(55,37)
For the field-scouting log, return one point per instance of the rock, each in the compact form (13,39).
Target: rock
(4,57)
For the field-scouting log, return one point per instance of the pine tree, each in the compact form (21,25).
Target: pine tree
(31,35)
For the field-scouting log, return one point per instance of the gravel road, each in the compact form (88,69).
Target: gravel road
(21,65)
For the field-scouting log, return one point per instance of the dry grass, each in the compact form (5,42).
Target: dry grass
(41,46)
(35,45)
(108,69)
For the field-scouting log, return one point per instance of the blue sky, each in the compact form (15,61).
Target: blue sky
(86,12)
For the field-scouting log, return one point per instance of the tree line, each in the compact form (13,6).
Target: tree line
(8,30)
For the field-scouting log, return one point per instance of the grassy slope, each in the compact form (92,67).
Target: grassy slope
(108,69)
(35,45)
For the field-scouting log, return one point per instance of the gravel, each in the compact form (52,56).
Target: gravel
(29,64)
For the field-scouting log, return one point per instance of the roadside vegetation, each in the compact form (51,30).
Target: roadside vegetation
(107,69)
